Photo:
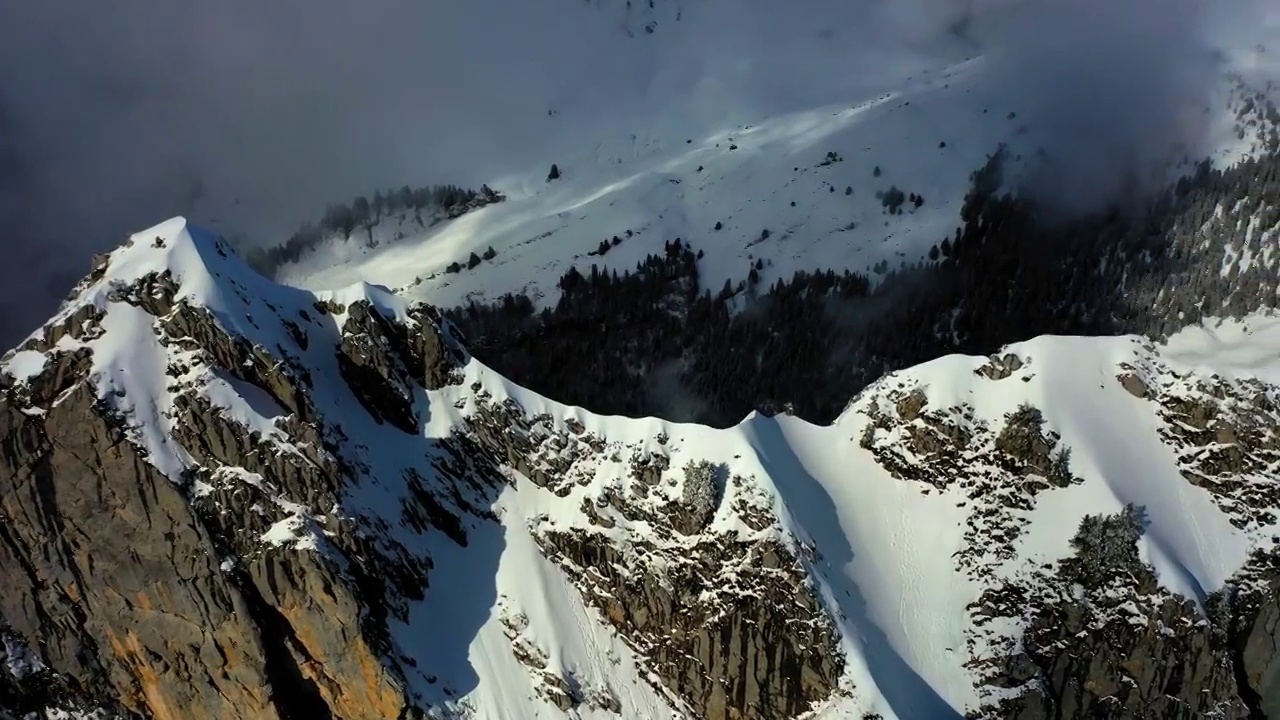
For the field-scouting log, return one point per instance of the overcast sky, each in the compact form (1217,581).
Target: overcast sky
(251,115)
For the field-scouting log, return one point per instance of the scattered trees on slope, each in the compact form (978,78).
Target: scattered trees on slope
(343,220)
(1106,545)
(814,340)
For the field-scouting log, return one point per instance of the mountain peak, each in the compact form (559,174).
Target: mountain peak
(173,247)
(351,432)
(331,476)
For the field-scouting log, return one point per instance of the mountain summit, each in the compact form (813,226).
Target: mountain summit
(222,497)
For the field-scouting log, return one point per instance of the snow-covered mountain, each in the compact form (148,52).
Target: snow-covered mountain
(223,497)
(779,144)
(787,157)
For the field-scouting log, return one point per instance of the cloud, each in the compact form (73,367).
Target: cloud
(1109,92)
(251,115)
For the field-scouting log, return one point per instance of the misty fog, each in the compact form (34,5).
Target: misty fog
(250,116)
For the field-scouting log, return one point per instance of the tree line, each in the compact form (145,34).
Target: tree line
(807,344)
(342,220)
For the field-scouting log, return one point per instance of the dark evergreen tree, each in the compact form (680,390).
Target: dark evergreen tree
(342,221)
(1008,273)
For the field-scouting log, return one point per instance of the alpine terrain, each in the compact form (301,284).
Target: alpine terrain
(224,497)
(830,413)
(825,204)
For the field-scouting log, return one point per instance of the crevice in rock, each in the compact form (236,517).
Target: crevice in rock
(294,696)
(1248,694)
(373,390)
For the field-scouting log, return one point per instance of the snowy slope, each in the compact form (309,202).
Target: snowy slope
(659,188)
(457,638)
(897,559)
(749,149)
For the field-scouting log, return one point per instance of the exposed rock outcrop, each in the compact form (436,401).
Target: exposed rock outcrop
(1003,470)
(1104,640)
(186,595)
(732,628)
(752,642)
(222,498)
(1253,620)
(1096,634)
(1000,367)
(119,586)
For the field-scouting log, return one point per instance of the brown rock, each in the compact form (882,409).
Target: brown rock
(110,574)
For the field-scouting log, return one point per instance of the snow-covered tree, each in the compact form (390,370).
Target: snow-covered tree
(700,493)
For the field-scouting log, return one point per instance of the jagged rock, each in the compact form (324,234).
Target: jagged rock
(648,469)
(62,370)
(108,570)
(29,689)
(234,548)
(1228,438)
(341,673)
(375,347)
(950,446)
(1001,367)
(701,493)
(1256,647)
(594,516)
(1253,620)
(605,699)
(698,649)
(371,360)
(160,596)
(525,444)
(79,325)
(197,329)
(560,692)
(775,629)
(1135,385)
(1112,643)
(910,406)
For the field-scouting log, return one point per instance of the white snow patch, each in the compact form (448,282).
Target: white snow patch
(129,371)
(297,530)
(24,365)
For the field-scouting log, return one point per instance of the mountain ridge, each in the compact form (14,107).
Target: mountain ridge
(969,450)
(346,482)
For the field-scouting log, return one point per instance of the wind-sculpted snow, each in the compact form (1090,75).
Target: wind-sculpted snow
(320,503)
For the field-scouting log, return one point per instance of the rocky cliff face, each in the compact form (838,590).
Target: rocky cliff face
(197,522)
(1096,635)
(732,628)
(117,586)
(220,497)
(178,595)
